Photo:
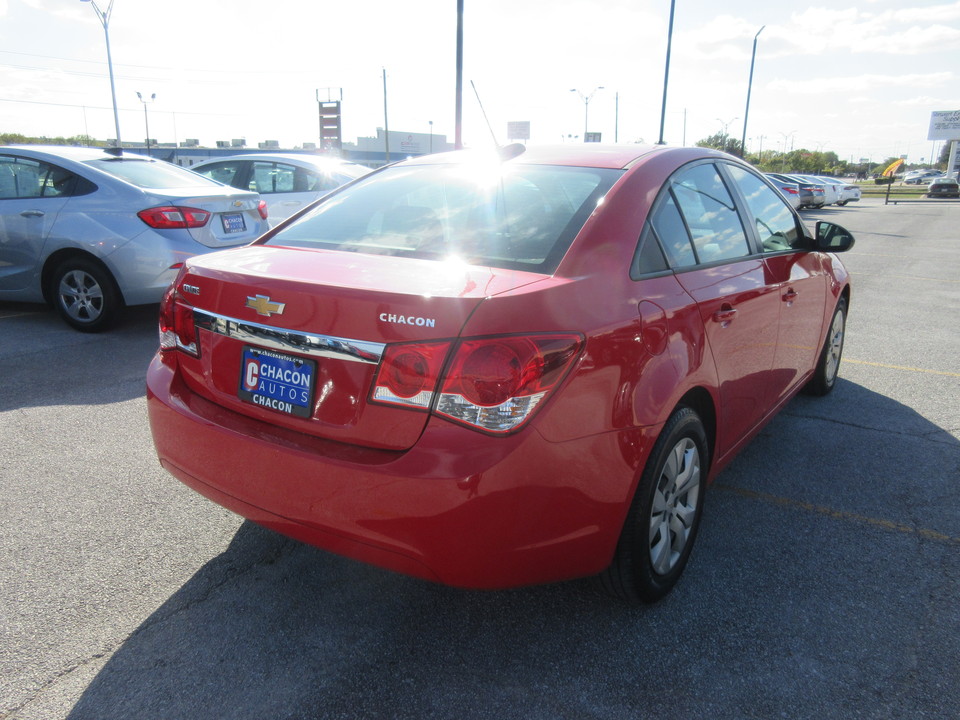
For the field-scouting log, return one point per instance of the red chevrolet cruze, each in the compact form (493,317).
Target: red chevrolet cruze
(499,369)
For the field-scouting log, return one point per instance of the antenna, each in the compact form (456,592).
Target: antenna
(480,103)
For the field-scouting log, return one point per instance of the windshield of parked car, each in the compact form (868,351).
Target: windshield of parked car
(501,215)
(151,173)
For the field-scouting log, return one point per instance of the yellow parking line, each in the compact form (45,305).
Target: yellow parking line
(906,277)
(840,514)
(902,367)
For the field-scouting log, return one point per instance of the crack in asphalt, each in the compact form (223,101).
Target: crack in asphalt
(942,436)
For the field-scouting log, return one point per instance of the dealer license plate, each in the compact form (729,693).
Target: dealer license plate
(276,381)
(233,222)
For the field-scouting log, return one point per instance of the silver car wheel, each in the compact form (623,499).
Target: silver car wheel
(835,347)
(674,507)
(81,296)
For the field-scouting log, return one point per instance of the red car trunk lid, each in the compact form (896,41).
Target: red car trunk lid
(323,319)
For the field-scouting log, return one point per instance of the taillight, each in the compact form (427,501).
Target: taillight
(177,329)
(409,374)
(262,209)
(172,218)
(491,384)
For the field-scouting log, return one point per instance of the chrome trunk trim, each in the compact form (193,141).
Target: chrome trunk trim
(324,346)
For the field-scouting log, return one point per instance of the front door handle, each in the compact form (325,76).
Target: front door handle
(32,213)
(790,295)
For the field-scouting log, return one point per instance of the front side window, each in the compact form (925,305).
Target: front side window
(273,177)
(227,172)
(776,225)
(502,215)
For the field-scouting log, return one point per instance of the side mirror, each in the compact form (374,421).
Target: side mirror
(832,237)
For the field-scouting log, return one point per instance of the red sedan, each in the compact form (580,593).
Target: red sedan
(491,370)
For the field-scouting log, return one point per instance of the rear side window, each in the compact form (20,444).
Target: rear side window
(710,214)
(27,178)
(501,215)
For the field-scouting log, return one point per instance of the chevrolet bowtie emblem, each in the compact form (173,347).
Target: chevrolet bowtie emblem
(264,306)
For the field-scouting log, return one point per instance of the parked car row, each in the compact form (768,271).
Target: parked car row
(921,177)
(816,191)
(91,231)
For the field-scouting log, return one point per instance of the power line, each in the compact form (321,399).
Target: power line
(99,107)
(192,70)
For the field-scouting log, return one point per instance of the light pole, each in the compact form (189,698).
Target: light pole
(431,136)
(146,122)
(586,106)
(746,112)
(458,100)
(104,18)
(666,73)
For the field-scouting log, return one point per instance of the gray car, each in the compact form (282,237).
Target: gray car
(90,231)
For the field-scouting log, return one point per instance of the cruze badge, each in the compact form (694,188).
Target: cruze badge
(264,305)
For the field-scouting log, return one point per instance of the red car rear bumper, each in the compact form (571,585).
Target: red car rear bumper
(460,507)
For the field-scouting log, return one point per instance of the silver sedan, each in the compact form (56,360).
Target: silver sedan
(90,231)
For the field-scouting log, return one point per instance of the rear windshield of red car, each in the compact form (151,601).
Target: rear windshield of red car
(500,215)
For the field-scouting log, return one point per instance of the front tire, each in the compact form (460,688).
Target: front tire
(85,295)
(828,366)
(664,517)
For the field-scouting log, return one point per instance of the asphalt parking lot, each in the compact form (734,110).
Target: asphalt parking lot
(825,582)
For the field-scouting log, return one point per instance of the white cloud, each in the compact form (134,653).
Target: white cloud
(861,83)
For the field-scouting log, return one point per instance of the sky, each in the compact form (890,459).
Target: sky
(858,79)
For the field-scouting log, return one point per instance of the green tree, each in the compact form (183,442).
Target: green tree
(722,141)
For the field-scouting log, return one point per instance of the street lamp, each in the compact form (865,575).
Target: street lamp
(145,120)
(586,106)
(746,112)
(724,133)
(104,18)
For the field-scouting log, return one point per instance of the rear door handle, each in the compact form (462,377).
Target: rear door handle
(725,315)
(32,213)
(790,295)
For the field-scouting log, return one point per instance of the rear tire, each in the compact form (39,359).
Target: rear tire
(664,517)
(85,295)
(828,366)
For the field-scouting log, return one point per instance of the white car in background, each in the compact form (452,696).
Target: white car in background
(831,187)
(849,193)
(288,182)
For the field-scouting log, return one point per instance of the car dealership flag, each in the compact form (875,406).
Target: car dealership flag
(892,168)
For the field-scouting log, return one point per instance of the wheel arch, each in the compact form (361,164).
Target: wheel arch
(701,401)
(51,263)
